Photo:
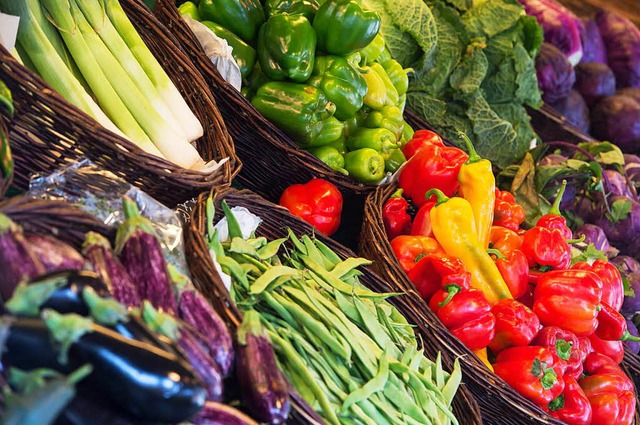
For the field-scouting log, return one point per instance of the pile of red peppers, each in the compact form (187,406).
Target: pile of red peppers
(558,342)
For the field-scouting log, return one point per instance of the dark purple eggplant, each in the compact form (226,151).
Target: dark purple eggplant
(187,339)
(97,250)
(17,260)
(148,383)
(265,390)
(632,345)
(221,414)
(141,254)
(194,309)
(54,254)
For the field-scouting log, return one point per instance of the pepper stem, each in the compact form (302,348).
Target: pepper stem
(441,198)
(397,194)
(555,207)
(452,289)
(473,155)
(496,252)
(580,239)
(628,337)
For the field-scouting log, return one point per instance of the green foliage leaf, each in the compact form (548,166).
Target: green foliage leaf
(620,210)
(604,152)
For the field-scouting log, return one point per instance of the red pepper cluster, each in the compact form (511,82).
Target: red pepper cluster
(559,341)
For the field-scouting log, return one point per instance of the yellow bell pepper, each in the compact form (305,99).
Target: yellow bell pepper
(453,225)
(482,355)
(478,186)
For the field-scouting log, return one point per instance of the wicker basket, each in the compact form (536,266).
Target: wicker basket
(47,131)
(276,220)
(499,403)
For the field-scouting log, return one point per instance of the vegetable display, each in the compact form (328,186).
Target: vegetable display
(6,159)
(90,50)
(320,72)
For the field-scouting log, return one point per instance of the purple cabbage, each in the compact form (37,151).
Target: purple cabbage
(595,235)
(54,254)
(104,262)
(594,81)
(555,74)
(624,234)
(574,109)
(633,346)
(626,264)
(622,41)
(561,27)
(618,184)
(631,305)
(617,119)
(589,210)
(17,260)
(592,45)
(632,169)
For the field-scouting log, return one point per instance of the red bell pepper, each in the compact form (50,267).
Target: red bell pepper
(612,349)
(317,202)
(572,406)
(566,347)
(422,221)
(506,211)
(434,271)
(420,139)
(554,219)
(395,217)
(546,249)
(505,240)
(612,286)
(516,324)
(432,167)
(610,392)
(569,299)
(514,269)
(532,372)
(410,249)
(466,313)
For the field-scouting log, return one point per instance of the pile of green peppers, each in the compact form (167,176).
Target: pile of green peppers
(319,70)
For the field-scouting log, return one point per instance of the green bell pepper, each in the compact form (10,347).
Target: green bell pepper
(389,117)
(340,145)
(379,139)
(343,26)
(392,94)
(353,123)
(376,96)
(331,131)
(297,109)
(244,55)
(365,165)
(395,160)
(330,156)
(241,17)
(291,7)
(254,81)
(341,83)
(287,48)
(397,74)
(189,9)
(373,50)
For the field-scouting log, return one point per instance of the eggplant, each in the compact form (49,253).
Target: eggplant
(144,381)
(141,254)
(265,390)
(205,367)
(54,254)
(97,250)
(221,414)
(17,260)
(195,310)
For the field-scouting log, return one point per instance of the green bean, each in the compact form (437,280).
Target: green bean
(376,331)
(296,242)
(398,396)
(451,387)
(215,245)
(377,418)
(270,276)
(271,249)
(231,267)
(382,318)
(278,308)
(313,252)
(250,269)
(328,253)
(374,385)
(348,308)
(414,364)
(298,365)
(244,258)
(408,354)
(302,387)
(328,371)
(348,265)
(210,212)
(241,246)
(232,222)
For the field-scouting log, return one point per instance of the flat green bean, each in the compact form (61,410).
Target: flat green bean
(397,395)
(270,276)
(232,222)
(270,249)
(296,242)
(348,265)
(374,385)
(328,253)
(241,246)
(313,251)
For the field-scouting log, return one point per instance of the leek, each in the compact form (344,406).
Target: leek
(107,97)
(172,97)
(36,50)
(97,18)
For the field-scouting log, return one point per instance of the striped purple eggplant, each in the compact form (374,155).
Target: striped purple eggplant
(97,250)
(221,414)
(141,254)
(194,309)
(265,390)
(17,261)
(54,254)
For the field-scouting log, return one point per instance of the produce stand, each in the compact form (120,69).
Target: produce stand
(466,274)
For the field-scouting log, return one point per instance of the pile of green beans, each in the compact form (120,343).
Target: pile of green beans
(346,350)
